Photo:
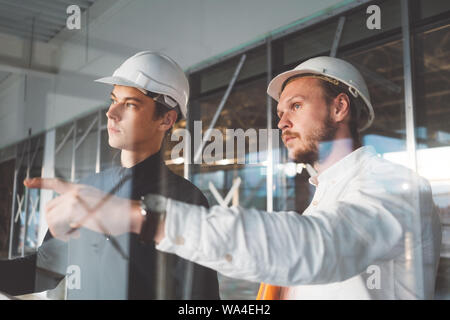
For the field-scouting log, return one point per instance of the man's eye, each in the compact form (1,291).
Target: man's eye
(130,105)
(113,101)
(297,106)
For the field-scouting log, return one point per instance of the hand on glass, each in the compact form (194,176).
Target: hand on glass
(83,206)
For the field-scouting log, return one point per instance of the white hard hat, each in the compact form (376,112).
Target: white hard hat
(156,75)
(334,68)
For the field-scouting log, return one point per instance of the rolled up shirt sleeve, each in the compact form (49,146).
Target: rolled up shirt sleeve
(285,248)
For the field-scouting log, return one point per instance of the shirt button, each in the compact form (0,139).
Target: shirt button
(228,257)
(179,240)
(315,203)
(107,238)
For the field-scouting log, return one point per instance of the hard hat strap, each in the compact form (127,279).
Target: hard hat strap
(166,101)
(353,91)
(309,75)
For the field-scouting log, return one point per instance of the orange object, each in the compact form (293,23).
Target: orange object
(268,292)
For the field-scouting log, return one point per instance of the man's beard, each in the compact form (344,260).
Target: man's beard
(317,145)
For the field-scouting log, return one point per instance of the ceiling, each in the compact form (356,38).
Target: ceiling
(3,75)
(38,19)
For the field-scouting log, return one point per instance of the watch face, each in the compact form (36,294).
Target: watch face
(144,209)
(155,203)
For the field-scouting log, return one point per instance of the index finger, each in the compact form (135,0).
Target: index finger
(57,185)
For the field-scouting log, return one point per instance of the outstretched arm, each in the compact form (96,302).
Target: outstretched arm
(284,248)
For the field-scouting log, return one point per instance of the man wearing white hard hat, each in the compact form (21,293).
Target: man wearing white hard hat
(150,92)
(370,232)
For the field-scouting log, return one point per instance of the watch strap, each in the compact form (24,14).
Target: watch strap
(153,209)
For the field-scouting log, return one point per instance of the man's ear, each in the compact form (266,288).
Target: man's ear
(342,108)
(168,120)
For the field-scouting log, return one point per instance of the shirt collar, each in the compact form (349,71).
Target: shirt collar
(343,166)
(154,161)
(151,166)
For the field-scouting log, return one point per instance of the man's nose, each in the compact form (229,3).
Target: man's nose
(284,122)
(114,112)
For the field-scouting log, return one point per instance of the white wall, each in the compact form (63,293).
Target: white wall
(12,107)
(190,31)
(23,102)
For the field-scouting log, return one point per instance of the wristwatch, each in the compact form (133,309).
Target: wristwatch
(153,209)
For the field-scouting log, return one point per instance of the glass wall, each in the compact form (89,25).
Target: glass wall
(20,205)
(81,146)
(224,174)
(432,83)
(78,146)
(379,56)
(64,144)
(7,165)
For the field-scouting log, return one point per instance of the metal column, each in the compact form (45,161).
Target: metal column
(26,200)
(74,149)
(337,37)
(198,153)
(99,141)
(409,98)
(269,168)
(413,238)
(48,171)
(63,142)
(18,164)
(27,192)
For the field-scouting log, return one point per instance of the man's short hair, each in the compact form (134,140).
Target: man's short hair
(330,92)
(161,110)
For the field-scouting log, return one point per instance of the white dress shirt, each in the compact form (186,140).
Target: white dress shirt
(370,232)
